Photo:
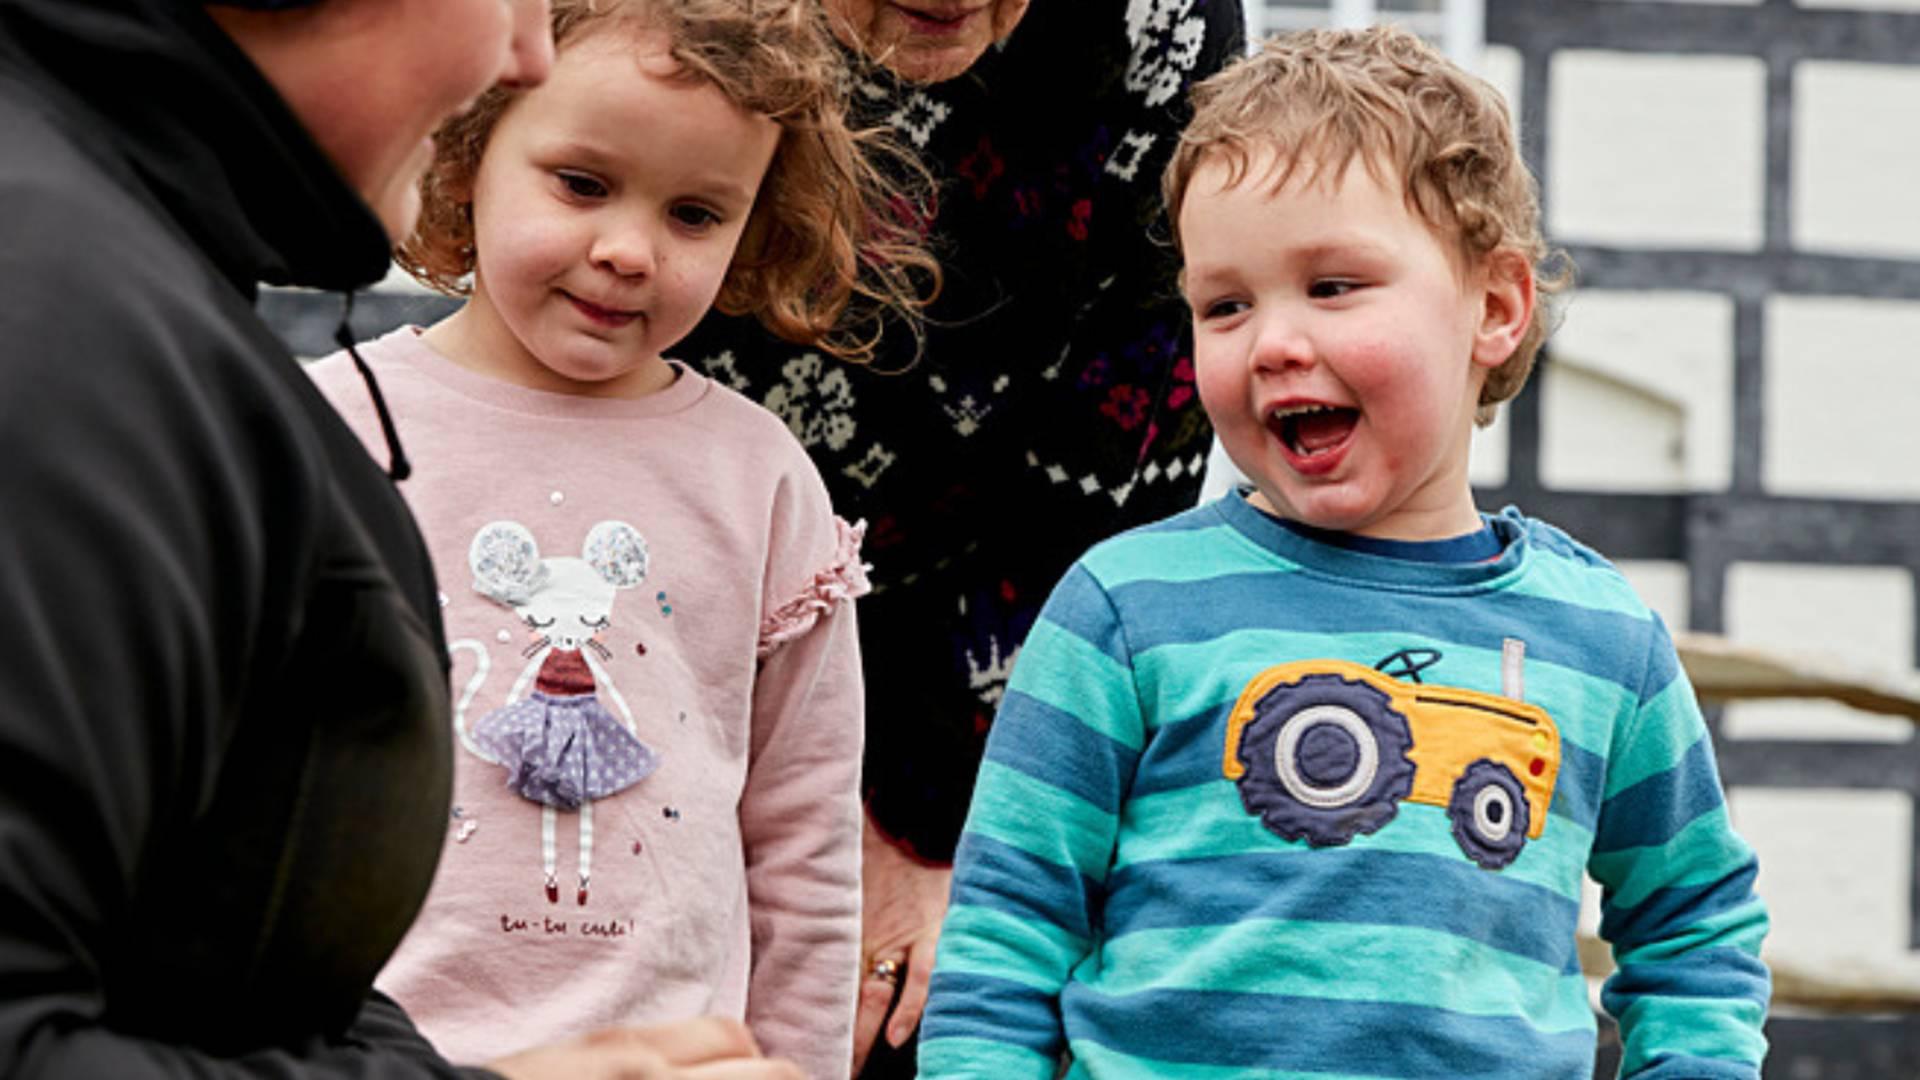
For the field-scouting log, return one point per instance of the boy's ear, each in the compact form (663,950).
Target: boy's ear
(1506,308)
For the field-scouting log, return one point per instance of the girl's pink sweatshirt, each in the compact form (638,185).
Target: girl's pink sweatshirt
(657,713)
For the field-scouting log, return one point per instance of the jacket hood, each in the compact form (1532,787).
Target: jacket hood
(171,106)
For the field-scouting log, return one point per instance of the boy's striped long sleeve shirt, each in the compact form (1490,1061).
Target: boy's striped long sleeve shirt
(1157,884)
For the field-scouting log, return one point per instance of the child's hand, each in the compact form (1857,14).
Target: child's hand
(706,1049)
(902,904)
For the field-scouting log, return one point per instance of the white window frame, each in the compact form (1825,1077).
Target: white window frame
(1459,27)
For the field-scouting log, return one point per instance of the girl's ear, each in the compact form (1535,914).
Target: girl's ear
(1506,307)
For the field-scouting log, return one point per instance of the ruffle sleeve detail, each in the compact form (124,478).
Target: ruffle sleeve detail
(845,578)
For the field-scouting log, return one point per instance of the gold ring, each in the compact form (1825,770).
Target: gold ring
(886,971)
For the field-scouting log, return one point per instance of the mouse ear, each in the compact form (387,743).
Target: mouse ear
(506,563)
(617,553)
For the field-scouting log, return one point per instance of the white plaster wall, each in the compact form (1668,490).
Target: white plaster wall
(1639,395)
(1487,461)
(1601,433)
(1501,65)
(1842,389)
(1834,869)
(1856,160)
(1852,617)
(1656,151)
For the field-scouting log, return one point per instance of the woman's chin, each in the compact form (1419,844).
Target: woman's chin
(931,63)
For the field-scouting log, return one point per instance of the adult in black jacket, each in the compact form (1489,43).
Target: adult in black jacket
(224,758)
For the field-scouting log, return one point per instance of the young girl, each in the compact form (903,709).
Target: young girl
(656,687)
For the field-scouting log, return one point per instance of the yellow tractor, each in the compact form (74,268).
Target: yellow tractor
(1324,750)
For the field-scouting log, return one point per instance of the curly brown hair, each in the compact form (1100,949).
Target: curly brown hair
(1387,98)
(834,249)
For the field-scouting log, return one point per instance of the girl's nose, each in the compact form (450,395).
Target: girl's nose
(625,249)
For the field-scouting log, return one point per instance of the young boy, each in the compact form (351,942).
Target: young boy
(1304,782)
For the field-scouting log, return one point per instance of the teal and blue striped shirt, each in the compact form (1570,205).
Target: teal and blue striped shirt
(1182,862)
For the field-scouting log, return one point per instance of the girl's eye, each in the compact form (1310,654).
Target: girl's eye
(695,216)
(1223,309)
(534,622)
(1330,288)
(581,186)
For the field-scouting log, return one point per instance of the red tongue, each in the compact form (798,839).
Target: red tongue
(1318,431)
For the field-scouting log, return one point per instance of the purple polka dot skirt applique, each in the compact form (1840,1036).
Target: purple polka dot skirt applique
(562,748)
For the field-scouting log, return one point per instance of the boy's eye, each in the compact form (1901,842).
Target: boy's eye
(580,185)
(1222,309)
(1329,288)
(695,215)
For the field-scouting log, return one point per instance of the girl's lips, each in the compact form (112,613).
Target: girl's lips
(610,318)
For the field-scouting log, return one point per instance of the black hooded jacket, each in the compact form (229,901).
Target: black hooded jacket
(224,760)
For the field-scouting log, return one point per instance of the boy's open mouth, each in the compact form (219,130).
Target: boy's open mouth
(1311,430)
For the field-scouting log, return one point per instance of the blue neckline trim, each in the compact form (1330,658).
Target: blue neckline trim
(1476,546)
(1311,550)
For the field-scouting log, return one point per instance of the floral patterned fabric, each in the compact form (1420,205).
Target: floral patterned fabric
(1054,403)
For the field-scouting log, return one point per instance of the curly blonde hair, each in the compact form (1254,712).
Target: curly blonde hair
(1384,96)
(834,249)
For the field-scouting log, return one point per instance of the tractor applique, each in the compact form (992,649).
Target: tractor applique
(1324,750)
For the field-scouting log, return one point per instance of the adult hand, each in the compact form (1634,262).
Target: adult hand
(902,903)
(706,1049)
